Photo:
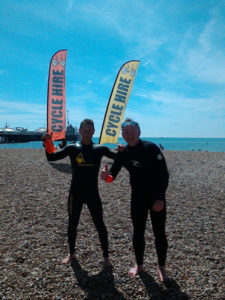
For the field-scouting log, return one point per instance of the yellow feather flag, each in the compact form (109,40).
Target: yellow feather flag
(117,102)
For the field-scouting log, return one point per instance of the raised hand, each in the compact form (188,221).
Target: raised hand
(120,147)
(48,144)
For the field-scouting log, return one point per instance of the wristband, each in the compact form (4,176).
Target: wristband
(109,178)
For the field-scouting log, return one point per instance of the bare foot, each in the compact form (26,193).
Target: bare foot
(162,274)
(68,258)
(135,270)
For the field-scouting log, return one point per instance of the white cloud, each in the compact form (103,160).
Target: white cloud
(23,114)
(24,107)
(200,56)
(167,113)
(178,59)
(173,102)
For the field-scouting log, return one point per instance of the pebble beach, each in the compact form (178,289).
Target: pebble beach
(33,232)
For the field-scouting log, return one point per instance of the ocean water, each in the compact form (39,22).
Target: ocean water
(180,144)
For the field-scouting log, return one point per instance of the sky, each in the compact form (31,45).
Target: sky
(179,89)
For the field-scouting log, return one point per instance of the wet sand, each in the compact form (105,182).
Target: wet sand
(33,211)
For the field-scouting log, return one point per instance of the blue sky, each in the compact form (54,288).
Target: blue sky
(179,89)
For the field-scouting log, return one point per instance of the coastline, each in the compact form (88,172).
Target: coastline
(171,144)
(34,222)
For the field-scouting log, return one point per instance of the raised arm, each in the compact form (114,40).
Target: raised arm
(60,154)
(50,149)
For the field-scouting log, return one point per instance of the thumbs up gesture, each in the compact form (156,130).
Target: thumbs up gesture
(105,174)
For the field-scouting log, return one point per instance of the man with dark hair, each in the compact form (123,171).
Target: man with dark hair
(149,180)
(85,161)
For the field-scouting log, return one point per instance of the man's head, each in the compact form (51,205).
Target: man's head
(131,132)
(86,130)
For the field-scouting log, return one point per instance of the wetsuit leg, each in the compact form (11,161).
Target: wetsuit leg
(95,208)
(74,210)
(158,220)
(139,214)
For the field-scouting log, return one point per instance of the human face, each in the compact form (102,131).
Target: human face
(86,132)
(131,135)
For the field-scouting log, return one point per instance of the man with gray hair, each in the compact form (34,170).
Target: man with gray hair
(149,180)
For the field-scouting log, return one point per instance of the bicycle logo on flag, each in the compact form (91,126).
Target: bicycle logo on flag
(60,61)
(129,70)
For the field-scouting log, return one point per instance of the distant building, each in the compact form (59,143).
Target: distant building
(21,129)
(8,130)
(20,134)
(41,130)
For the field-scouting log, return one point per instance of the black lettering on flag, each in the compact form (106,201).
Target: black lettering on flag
(116,120)
(112,125)
(118,113)
(125,80)
(111,133)
(57,92)
(57,128)
(120,98)
(54,121)
(57,72)
(58,104)
(57,80)
(121,93)
(123,87)
(57,101)
(118,107)
(58,107)
(57,114)
(57,85)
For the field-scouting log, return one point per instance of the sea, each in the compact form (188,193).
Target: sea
(174,144)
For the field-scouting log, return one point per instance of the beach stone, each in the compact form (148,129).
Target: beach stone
(33,229)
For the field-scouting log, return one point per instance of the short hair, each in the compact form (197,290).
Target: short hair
(87,122)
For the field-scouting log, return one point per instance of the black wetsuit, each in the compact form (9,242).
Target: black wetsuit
(85,162)
(149,181)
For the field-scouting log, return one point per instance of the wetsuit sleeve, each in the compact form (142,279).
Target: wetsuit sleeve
(116,166)
(59,154)
(109,153)
(162,175)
